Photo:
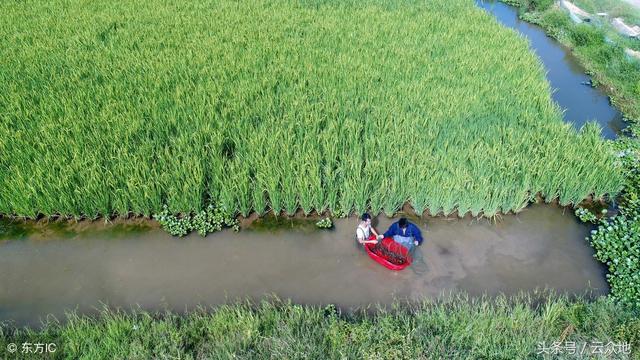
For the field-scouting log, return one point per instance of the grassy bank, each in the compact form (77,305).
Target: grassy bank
(456,328)
(319,104)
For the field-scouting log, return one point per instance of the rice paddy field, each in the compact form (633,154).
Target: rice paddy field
(119,107)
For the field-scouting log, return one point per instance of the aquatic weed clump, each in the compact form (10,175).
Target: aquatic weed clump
(212,219)
(617,239)
(617,244)
(173,224)
(587,216)
(325,223)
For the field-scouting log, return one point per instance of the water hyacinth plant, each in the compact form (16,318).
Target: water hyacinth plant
(617,239)
(280,105)
(212,219)
(325,223)
(617,244)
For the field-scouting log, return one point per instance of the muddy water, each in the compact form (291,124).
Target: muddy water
(581,102)
(540,247)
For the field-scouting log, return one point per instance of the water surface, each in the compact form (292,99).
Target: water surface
(541,247)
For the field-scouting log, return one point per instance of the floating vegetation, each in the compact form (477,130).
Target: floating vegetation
(212,219)
(277,106)
(585,215)
(617,239)
(325,223)
(617,244)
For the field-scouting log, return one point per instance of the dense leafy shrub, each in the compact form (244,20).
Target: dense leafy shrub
(531,5)
(540,5)
(611,56)
(586,35)
(556,22)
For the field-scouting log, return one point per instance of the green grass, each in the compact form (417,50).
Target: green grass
(454,328)
(343,105)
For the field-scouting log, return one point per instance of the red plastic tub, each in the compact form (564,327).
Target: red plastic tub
(393,247)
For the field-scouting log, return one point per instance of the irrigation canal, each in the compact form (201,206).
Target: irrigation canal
(48,273)
(53,269)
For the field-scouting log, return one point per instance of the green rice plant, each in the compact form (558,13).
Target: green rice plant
(116,108)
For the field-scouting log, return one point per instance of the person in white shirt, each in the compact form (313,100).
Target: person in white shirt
(364,231)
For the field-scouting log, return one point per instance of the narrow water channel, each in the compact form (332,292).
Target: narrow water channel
(541,247)
(581,102)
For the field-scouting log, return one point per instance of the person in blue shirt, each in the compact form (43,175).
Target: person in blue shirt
(404,233)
